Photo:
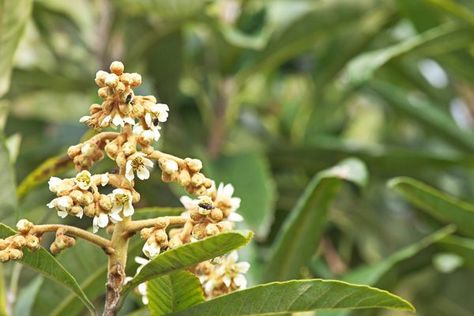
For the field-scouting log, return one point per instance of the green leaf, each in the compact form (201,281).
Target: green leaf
(429,115)
(463,247)
(42,261)
(173,292)
(454,9)
(188,255)
(254,187)
(24,303)
(299,237)
(13,18)
(43,172)
(443,207)
(363,67)
(157,211)
(8,199)
(372,274)
(298,296)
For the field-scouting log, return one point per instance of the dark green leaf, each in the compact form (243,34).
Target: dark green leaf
(42,261)
(443,207)
(299,237)
(188,255)
(173,292)
(298,296)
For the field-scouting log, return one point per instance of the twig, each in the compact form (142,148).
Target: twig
(103,243)
(134,226)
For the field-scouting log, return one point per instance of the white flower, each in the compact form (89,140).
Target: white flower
(83,180)
(149,135)
(122,200)
(160,112)
(151,249)
(140,164)
(224,195)
(101,220)
(118,120)
(63,204)
(152,124)
(142,290)
(103,178)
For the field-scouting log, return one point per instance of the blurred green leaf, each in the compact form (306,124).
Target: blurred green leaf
(42,261)
(455,9)
(13,18)
(188,255)
(155,211)
(173,292)
(249,174)
(298,296)
(170,10)
(441,206)
(299,237)
(43,172)
(8,205)
(463,247)
(430,116)
(3,292)
(24,302)
(363,67)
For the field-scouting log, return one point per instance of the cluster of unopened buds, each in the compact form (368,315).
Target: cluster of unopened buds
(11,247)
(137,118)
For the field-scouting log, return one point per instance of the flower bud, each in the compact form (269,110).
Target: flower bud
(105,202)
(145,233)
(32,242)
(111,149)
(3,244)
(75,150)
(76,195)
(129,148)
(54,248)
(160,236)
(4,256)
(212,229)
(89,210)
(199,231)
(135,79)
(197,179)
(18,241)
(103,92)
(15,254)
(116,67)
(168,166)
(217,215)
(76,210)
(111,80)
(24,226)
(184,178)
(175,242)
(194,165)
(100,77)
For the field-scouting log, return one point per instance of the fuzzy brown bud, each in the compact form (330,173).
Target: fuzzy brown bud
(116,67)
(24,226)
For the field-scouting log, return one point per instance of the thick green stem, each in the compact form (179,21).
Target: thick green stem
(116,268)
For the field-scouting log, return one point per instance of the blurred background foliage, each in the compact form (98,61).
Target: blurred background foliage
(267,94)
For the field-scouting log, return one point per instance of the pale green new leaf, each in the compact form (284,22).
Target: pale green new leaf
(443,207)
(42,261)
(299,237)
(13,18)
(188,255)
(173,292)
(298,296)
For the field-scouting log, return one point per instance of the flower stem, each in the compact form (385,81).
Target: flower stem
(116,268)
(134,226)
(103,243)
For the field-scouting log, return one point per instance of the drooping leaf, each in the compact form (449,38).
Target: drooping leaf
(173,292)
(24,302)
(13,17)
(43,172)
(441,206)
(298,296)
(249,174)
(299,237)
(42,261)
(188,255)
